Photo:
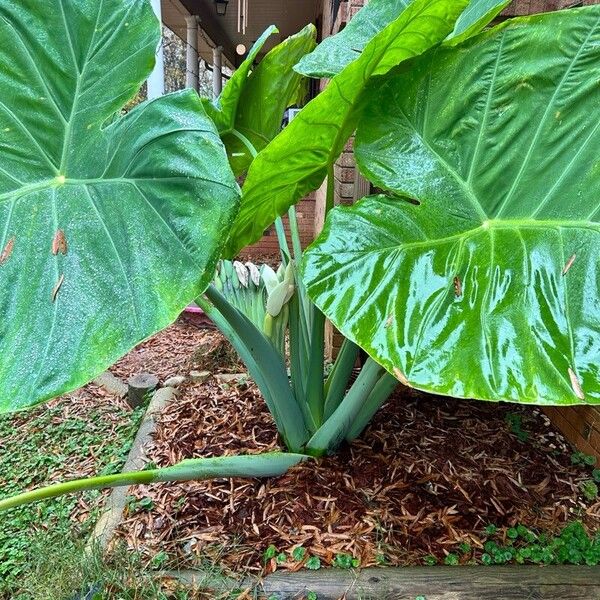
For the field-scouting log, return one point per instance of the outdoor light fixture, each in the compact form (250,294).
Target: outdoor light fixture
(221,6)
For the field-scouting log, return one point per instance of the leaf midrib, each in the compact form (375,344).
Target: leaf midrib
(490,225)
(50,184)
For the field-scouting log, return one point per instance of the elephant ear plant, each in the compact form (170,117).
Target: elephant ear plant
(171,168)
(476,274)
(314,415)
(473,275)
(100,214)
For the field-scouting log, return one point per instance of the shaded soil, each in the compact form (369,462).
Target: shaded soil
(427,474)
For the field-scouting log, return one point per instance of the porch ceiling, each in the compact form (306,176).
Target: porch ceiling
(289,16)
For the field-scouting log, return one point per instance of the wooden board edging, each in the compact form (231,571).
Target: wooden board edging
(439,583)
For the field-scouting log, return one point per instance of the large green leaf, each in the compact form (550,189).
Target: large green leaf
(296,161)
(106,231)
(224,109)
(478,277)
(267,92)
(338,51)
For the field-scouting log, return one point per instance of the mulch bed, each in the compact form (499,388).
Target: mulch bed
(428,473)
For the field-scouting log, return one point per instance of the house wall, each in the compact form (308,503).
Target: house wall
(580,425)
(267,248)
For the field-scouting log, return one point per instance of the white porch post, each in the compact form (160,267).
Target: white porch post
(192,66)
(217,71)
(156,81)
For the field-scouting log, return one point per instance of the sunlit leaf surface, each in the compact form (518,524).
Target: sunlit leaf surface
(478,275)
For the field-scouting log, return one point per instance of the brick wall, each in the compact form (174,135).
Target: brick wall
(580,425)
(530,7)
(268,247)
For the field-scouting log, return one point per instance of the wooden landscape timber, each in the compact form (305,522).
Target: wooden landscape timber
(410,583)
(440,583)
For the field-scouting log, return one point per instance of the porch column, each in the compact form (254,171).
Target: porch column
(192,67)
(156,81)
(217,71)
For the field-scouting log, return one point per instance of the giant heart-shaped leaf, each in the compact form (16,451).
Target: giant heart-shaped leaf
(223,110)
(297,160)
(479,277)
(338,51)
(108,227)
(271,87)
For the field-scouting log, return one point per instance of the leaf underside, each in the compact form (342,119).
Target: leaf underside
(477,276)
(108,226)
(338,51)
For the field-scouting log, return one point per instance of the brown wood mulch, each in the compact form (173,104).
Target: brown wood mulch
(428,474)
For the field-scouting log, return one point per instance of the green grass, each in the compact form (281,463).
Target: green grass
(48,445)
(75,572)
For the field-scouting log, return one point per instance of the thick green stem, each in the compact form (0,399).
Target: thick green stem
(382,390)
(286,255)
(295,235)
(259,465)
(300,287)
(299,361)
(265,365)
(336,428)
(330,200)
(315,394)
(337,382)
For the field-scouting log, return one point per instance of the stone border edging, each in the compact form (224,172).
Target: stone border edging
(109,521)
